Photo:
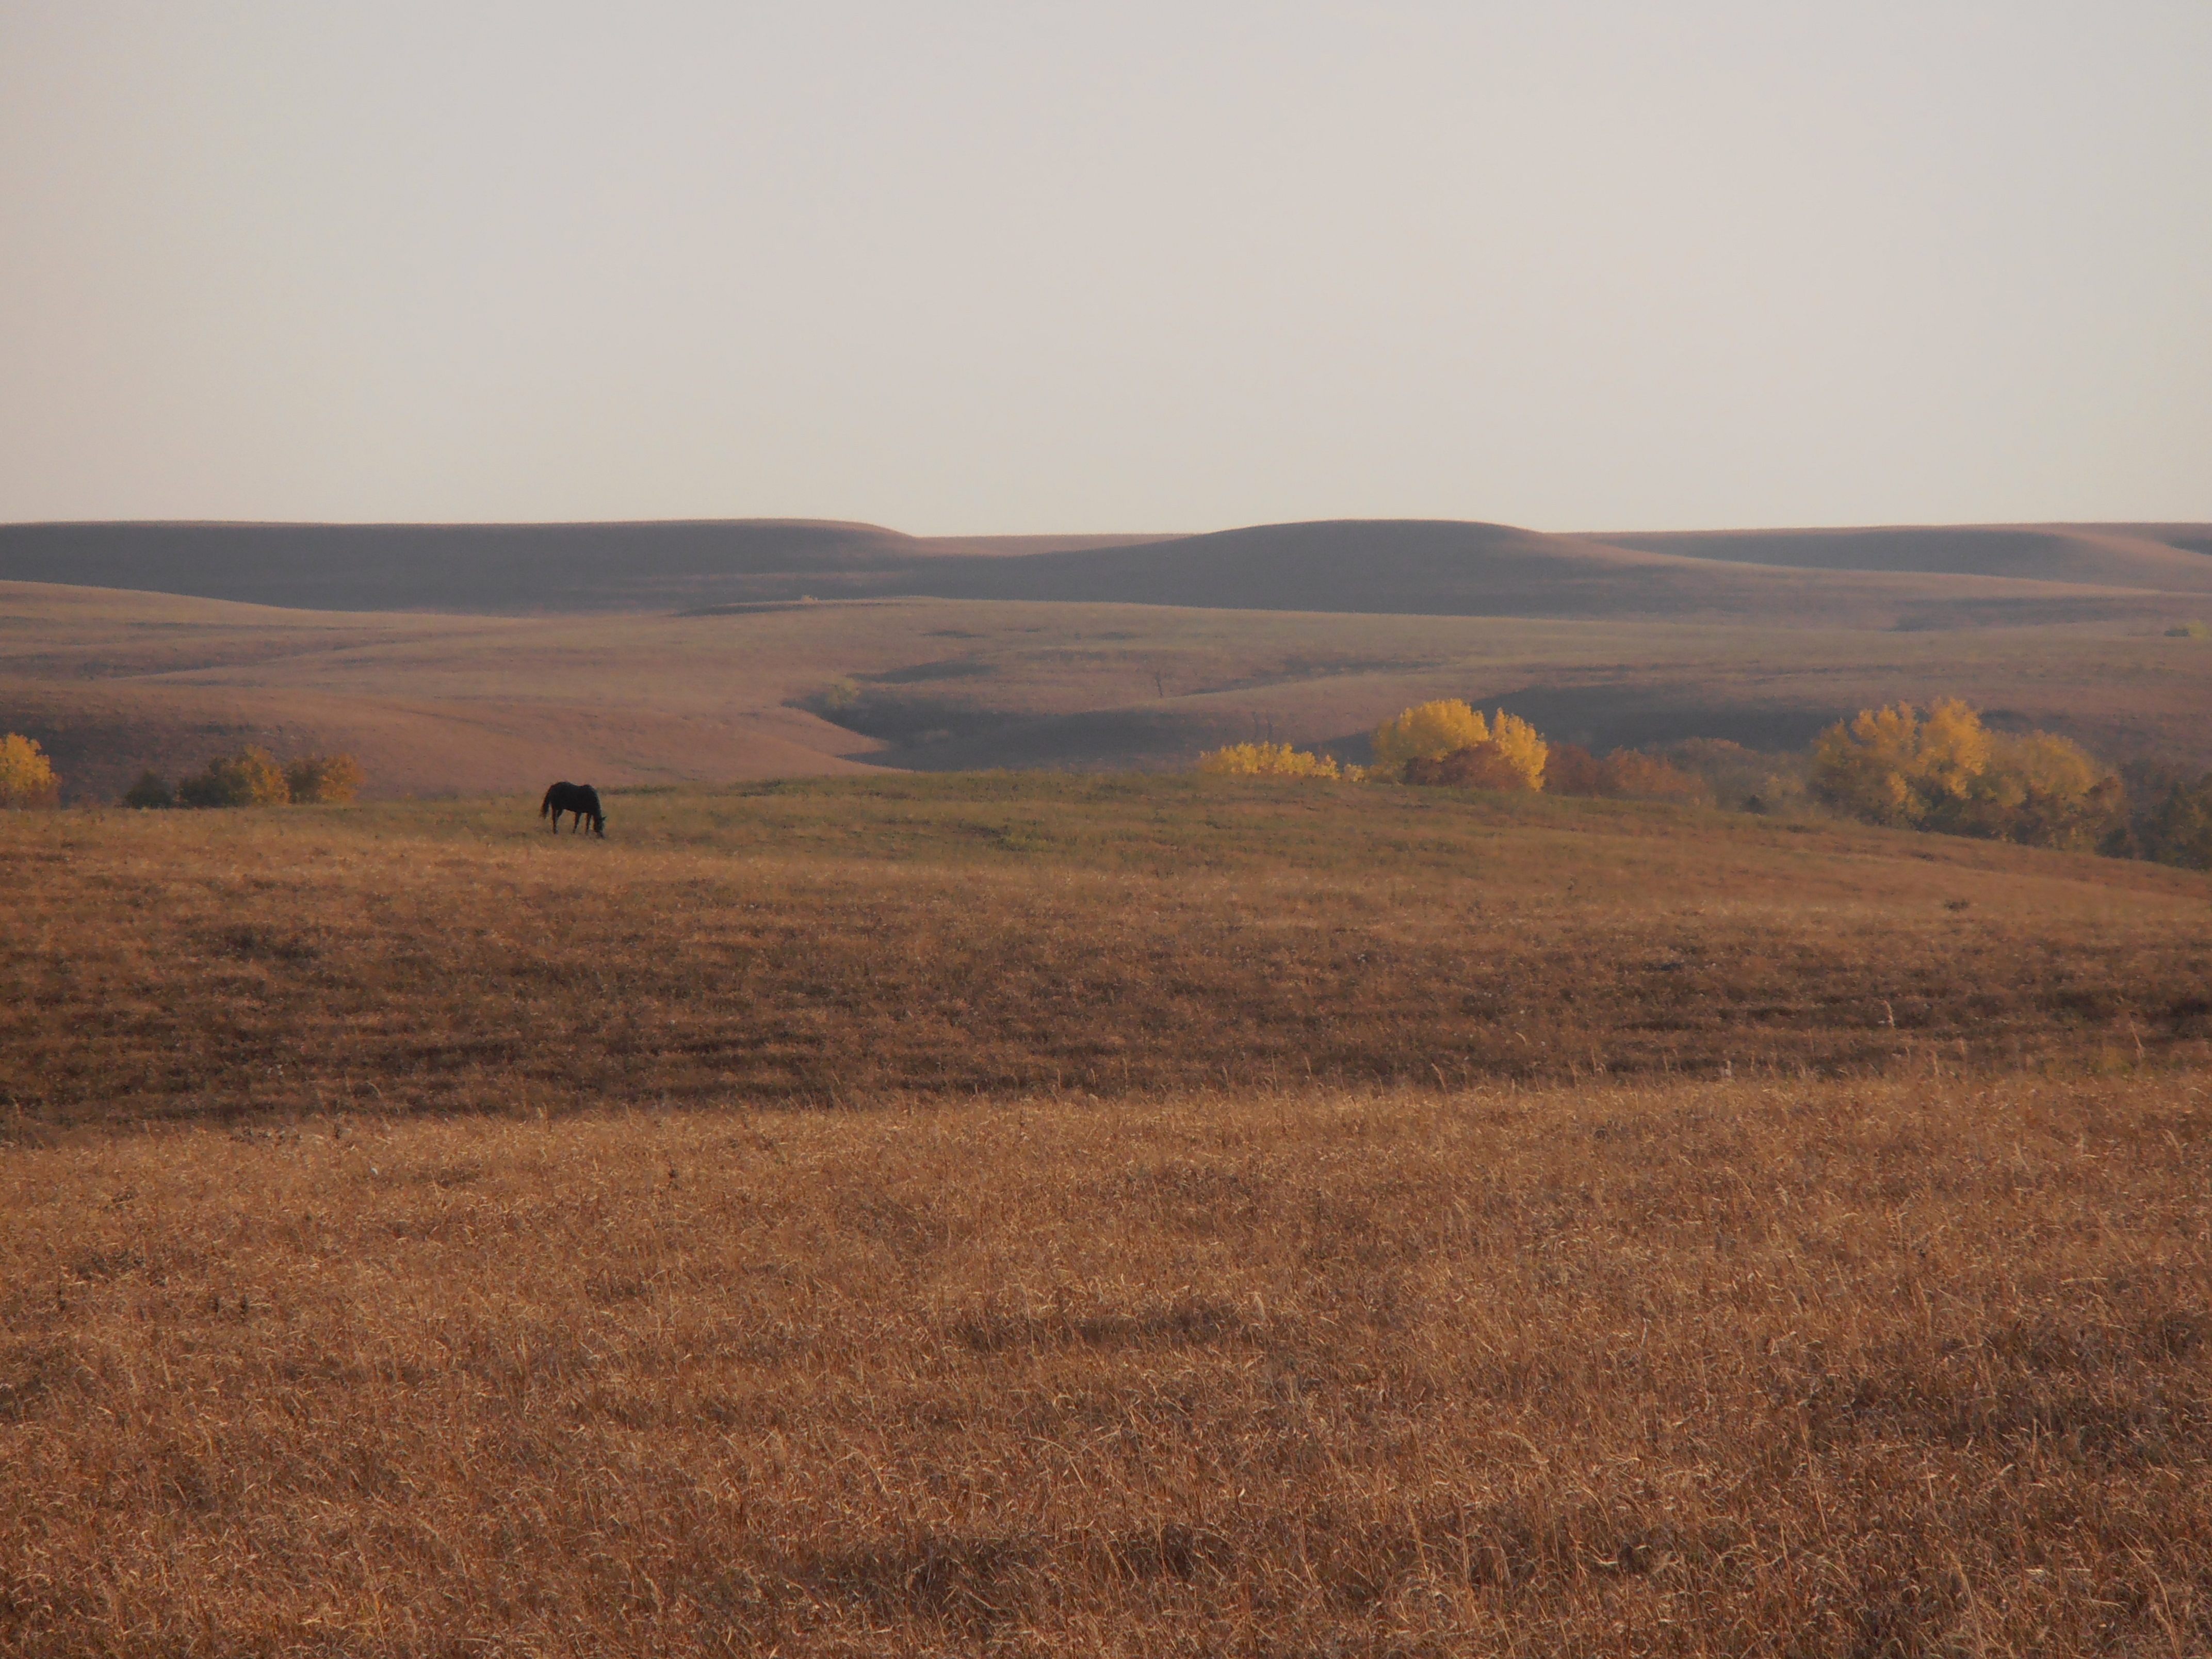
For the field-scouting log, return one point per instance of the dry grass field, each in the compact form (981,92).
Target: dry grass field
(1098,1215)
(1905,1367)
(826,942)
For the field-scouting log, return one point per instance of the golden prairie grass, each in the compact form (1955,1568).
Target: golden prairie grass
(1896,1367)
(1231,1219)
(832,943)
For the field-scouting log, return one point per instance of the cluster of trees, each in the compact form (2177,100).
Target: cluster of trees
(251,777)
(1441,742)
(27,776)
(1447,742)
(255,777)
(1940,770)
(1451,743)
(1945,770)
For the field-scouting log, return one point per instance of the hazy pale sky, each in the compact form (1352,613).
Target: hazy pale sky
(971,267)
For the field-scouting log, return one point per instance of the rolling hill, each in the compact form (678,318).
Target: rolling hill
(496,569)
(1922,578)
(1449,568)
(498,657)
(111,681)
(2171,558)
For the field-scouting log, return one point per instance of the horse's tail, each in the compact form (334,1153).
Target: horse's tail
(546,805)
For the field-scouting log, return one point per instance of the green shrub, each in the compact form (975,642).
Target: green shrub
(150,793)
(251,777)
(2180,830)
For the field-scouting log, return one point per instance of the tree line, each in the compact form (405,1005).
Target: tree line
(255,777)
(1450,742)
(1942,770)
(251,777)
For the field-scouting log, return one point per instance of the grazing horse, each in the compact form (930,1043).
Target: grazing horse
(578,798)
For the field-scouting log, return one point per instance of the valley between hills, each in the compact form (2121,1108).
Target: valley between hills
(457,659)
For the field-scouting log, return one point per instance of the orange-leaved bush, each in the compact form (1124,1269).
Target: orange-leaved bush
(1267,760)
(1571,769)
(27,776)
(1478,766)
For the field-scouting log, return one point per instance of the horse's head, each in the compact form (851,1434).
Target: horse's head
(599,825)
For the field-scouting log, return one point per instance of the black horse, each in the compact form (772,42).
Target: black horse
(578,798)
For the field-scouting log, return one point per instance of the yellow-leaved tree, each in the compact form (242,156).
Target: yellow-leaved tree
(1520,747)
(1947,771)
(1428,731)
(1447,742)
(27,776)
(1267,760)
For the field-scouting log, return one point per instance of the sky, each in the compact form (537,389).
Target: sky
(971,268)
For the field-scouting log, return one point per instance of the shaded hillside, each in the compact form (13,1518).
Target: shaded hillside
(1881,578)
(1449,567)
(1398,566)
(2172,558)
(494,569)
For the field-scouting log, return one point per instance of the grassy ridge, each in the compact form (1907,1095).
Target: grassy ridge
(842,941)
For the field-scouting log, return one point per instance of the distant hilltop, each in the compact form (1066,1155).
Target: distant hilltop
(497,568)
(1909,577)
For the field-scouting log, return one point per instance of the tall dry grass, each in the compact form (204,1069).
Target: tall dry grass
(1245,1221)
(1902,1367)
